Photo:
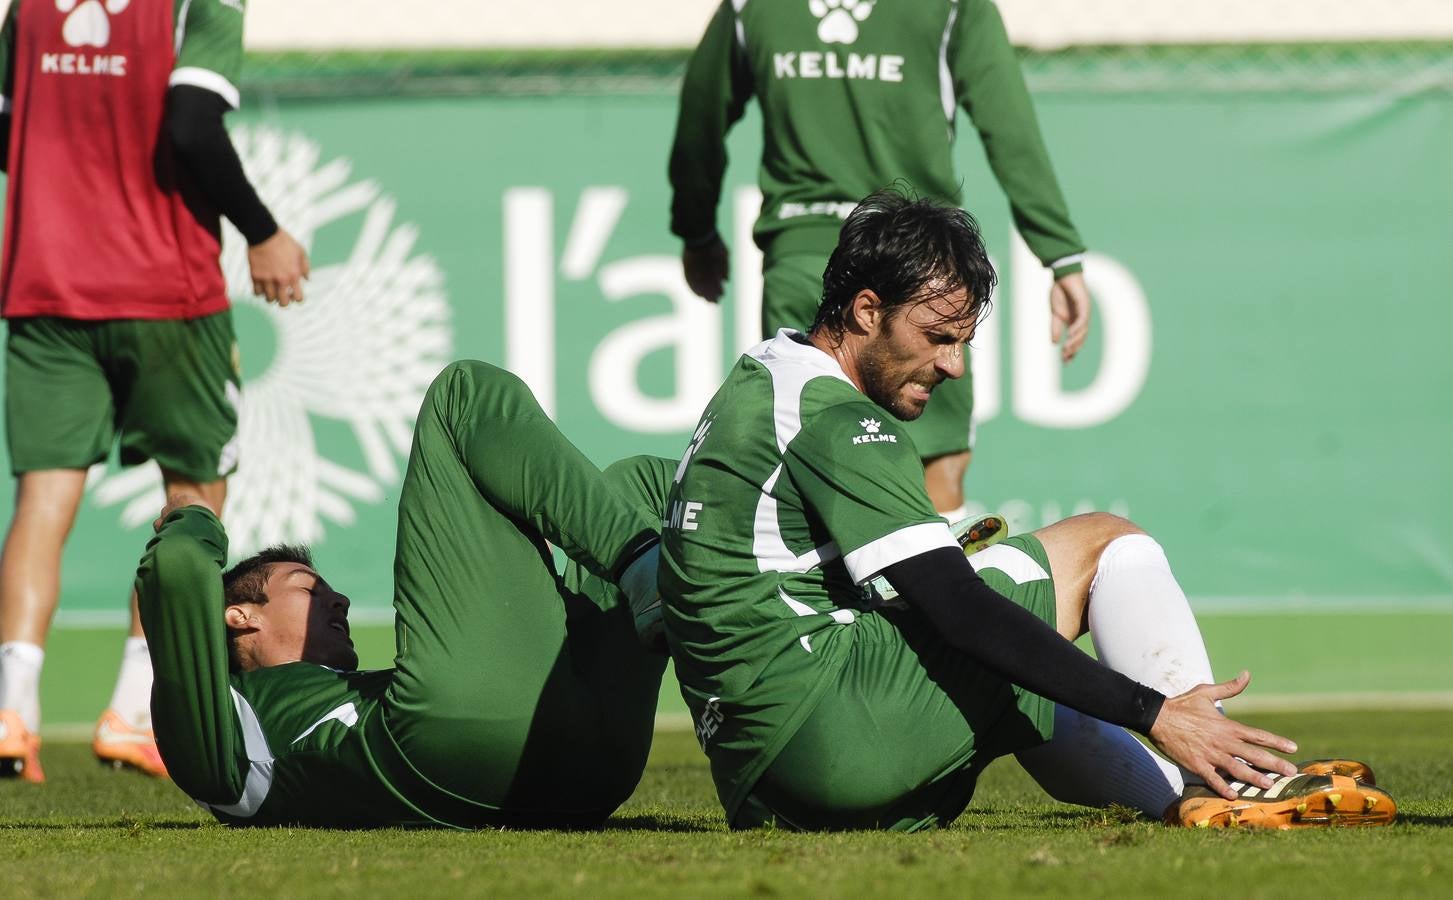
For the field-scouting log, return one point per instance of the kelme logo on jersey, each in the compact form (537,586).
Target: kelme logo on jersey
(838,19)
(838,24)
(328,396)
(871,435)
(87,24)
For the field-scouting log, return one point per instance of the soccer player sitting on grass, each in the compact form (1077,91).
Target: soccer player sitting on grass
(518,697)
(821,707)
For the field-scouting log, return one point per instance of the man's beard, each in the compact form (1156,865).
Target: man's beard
(884,376)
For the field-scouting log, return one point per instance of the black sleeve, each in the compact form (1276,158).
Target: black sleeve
(5,142)
(1010,640)
(194,124)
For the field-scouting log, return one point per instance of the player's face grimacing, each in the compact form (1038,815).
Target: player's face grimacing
(303,619)
(906,356)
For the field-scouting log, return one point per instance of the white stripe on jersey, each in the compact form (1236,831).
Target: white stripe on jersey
(945,77)
(791,366)
(259,758)
(870,559)
(1012,561)
(206,78)
(840,616)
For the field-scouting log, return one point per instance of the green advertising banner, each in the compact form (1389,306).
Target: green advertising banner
(1266,388)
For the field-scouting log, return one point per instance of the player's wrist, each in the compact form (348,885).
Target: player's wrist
(710,238)
(1067,265)
(1148,703)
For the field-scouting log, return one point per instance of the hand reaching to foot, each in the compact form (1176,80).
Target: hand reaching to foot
(1193,732)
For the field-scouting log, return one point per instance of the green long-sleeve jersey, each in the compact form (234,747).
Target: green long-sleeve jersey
(855,95)
(296,743)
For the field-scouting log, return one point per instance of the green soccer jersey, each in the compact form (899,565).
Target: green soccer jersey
(794,491)
(855,96)
(297,743)
(205,38)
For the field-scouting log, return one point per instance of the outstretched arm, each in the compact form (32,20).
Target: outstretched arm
(1010,640)
(714,93)
(179,590)
(990,87)
(203,87)
(277,262)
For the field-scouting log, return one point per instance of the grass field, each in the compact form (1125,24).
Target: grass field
(94,832)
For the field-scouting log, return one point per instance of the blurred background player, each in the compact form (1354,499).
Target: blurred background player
(855,96)
(119,324)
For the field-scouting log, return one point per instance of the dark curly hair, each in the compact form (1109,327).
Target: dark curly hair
(905,249)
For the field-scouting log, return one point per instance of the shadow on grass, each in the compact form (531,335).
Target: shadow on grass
(113,825)
(1039,820)
(1430,821)
(647,822)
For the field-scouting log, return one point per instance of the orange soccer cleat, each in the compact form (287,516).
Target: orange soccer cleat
(1295,801)
(119,745)
(19,749)
(1352,768)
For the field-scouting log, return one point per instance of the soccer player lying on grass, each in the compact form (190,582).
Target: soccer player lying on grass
(518,697)
(821,708)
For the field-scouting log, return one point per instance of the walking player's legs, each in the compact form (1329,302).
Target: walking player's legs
(512,689)
(169,388)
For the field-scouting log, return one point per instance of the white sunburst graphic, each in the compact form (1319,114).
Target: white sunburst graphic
(360,350)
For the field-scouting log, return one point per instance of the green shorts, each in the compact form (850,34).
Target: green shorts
(168,387)
(791,292)
(900,740)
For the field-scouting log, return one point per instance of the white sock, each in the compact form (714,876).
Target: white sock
(132,698)
(1093,763)
(20,663)
(1142,624)
(953,515)
(1140,620)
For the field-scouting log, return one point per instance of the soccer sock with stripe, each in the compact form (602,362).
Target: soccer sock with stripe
(1142,624)
(20,663)
(1094,763)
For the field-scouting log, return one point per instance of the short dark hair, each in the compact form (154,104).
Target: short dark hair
(898,247)
(246,582)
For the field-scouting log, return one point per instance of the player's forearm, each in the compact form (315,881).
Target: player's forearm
(714,92)
(1010,640)
(991,89)
(179,591)
(194,125)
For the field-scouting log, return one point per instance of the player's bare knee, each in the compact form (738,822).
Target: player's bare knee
(1094,531)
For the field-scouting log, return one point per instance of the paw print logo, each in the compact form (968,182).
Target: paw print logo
(838,19)
(87,22)
(871,426)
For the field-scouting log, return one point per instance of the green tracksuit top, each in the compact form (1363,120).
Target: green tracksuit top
(297,743)
(854,96)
